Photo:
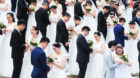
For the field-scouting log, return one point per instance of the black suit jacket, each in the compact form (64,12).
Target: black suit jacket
(102,26)
(0,32)
(62,2)
(83,49)
(42,18)
(62,32)
(17,45)
(136,20)
(139,50)
(78,10)
(22,12)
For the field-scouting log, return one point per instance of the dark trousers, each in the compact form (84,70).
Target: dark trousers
(83,68)
(43,31)
(104,34)
(17,63)
(13,3)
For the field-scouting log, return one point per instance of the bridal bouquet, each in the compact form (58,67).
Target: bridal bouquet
(124,58)
(88,9)
(51,58)
(32,7)
(115,21)
(131,34)
(2,25)
(32,43)
(90,43)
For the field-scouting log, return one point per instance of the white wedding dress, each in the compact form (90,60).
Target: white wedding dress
(122,71)
(133,53)
(51,29)
(95,65)
(110,31)
(73,65)
(31,23)
(27,66)
(6,62)
(3,12)
(56,72)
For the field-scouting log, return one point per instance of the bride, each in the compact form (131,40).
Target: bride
(55,16)
(31,20)
(27,66)
(133,51)
(73,66)
(122,70)
(6,64)
(58,66)
(95,66)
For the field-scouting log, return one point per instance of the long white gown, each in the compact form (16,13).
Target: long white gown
(27,66)
(57,72)
(95,65)
(51,29)
(122,71)
(31,22)
(3,12)
(6,62)
(110,31)
(133,53)
(90,21)
(73,65)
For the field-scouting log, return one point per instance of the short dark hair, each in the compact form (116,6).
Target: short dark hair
(57,45)
(122,20)
(20,22)
(98,33)
(53,7)
(86,28)
(106,7)
(77,18)
(67,15)
(112,43)
(44,39)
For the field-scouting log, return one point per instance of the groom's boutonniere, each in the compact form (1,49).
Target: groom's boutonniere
(90,43)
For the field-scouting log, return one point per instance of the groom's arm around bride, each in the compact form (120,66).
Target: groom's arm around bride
(83,51)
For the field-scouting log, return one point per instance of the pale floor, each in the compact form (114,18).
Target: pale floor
(7,77)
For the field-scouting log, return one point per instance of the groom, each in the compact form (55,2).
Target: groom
(18,47)
(119,32)
(39,60)
(83,51)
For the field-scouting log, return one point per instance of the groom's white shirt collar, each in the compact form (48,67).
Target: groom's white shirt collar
(18,31)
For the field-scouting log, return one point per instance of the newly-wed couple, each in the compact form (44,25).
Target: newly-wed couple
(89,64)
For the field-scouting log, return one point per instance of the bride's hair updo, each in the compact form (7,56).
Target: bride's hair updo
(77,18)
(57,45)
(12,15)
(36,29)
(53,7)
(89,2)
(98,33)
